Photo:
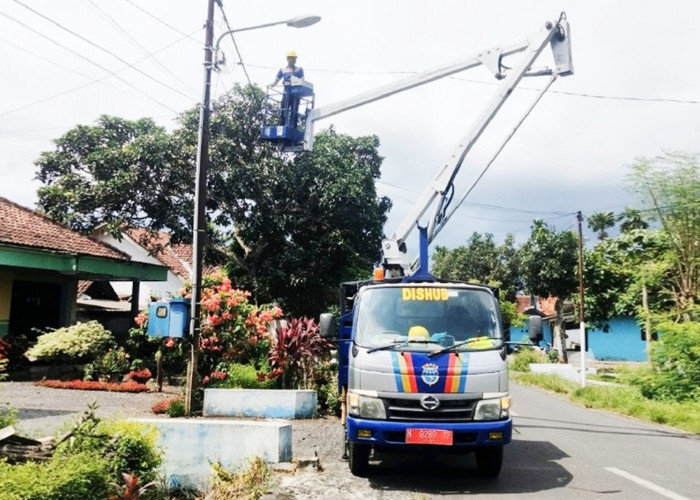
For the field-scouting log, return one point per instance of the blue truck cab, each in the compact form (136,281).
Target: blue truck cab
(422,368)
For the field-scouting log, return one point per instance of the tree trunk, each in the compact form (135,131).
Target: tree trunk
(558,334)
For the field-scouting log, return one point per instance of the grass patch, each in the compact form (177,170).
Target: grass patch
(251,482)
(622,399)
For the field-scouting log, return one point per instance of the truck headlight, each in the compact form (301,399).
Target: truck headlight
(365,406)
(492,409)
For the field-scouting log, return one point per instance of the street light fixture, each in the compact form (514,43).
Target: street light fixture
(200,194)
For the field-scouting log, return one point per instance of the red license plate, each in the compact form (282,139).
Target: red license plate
(429,436)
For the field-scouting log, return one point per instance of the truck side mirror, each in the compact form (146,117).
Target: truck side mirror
(327,325)
(535,328)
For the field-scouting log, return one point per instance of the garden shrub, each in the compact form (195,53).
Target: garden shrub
(237,376)
(81,475)
(298,354)
(112,365)
(328,394)
(176,408)
(124,446)
(79,343)
(675,360)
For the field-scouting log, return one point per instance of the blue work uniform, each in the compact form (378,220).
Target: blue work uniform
(285,74)
(290,104)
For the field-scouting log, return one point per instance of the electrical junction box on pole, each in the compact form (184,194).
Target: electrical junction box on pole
(168,319)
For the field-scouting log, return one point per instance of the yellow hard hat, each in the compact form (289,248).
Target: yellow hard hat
(291,53)
(418,332)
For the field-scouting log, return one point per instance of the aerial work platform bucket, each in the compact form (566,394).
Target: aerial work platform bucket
(284,115)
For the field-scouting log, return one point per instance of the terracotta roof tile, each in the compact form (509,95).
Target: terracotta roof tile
(21,226)
(545,305)
(174,257)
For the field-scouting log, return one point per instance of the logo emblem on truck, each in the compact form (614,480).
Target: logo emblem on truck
(429,402)
(430,373)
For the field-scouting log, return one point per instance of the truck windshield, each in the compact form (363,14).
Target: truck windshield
(427,317)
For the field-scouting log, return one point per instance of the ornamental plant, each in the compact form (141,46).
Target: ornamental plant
(232,328)
(111,366)
(79,343)
(298,354)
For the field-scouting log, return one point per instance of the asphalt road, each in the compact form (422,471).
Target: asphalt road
(559,450)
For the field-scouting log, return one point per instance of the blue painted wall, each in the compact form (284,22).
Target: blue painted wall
(622,342)
(520,334)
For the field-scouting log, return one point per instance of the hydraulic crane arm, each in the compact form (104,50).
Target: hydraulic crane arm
(439,192)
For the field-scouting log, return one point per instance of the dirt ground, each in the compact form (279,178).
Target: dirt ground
(317,470)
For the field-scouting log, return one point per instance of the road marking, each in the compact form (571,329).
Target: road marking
(647,484)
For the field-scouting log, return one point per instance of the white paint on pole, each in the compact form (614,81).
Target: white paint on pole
(646,484)
(582,332)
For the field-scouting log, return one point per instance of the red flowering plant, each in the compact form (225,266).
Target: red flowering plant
(232,329)
(140,376)
(298,354)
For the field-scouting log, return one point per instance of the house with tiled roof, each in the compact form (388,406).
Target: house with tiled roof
(41,264)
(144,247)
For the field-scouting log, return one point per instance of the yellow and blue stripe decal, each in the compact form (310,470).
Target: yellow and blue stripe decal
(416,372)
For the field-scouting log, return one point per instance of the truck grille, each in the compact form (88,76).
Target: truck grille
(450,410)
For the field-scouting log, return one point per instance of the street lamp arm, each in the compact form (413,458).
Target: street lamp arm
(295,22)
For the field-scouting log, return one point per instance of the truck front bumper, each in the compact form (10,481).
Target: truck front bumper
(385,433)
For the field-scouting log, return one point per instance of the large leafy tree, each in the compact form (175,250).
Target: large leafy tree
(549,264)
(115,173)
(669,187)
(481,260)
(292,228)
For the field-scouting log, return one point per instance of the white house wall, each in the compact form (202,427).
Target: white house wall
(160,289)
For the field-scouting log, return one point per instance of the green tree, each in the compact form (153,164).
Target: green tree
(549,269)
(292,228)
(631,219)
(481,260)
(322,221)
(619,273)
(113,174)
(600,222)
(669,187)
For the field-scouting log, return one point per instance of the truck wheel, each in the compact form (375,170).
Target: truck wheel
(489,460)
(358,459)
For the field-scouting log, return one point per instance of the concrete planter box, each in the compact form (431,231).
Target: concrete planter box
(191,445)
(260,403)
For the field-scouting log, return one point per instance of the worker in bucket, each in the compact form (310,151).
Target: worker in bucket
(289,108)
(286,74)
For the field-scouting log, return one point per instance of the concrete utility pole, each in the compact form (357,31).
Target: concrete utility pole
(200,202)
(582,323)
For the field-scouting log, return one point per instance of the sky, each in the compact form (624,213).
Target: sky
(635,91)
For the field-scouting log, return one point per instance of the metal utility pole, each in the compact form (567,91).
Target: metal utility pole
(200,202)
(582,323)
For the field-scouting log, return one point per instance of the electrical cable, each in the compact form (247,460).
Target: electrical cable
(190,36)
(96,80)
(107,51)
(134,41)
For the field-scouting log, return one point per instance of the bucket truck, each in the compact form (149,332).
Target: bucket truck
(422,361)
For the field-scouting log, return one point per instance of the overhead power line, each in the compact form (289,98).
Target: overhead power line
(482,82)
(107,51)
(134,41)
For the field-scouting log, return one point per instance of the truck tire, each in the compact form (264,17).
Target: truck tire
(489,460)
(358,459)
